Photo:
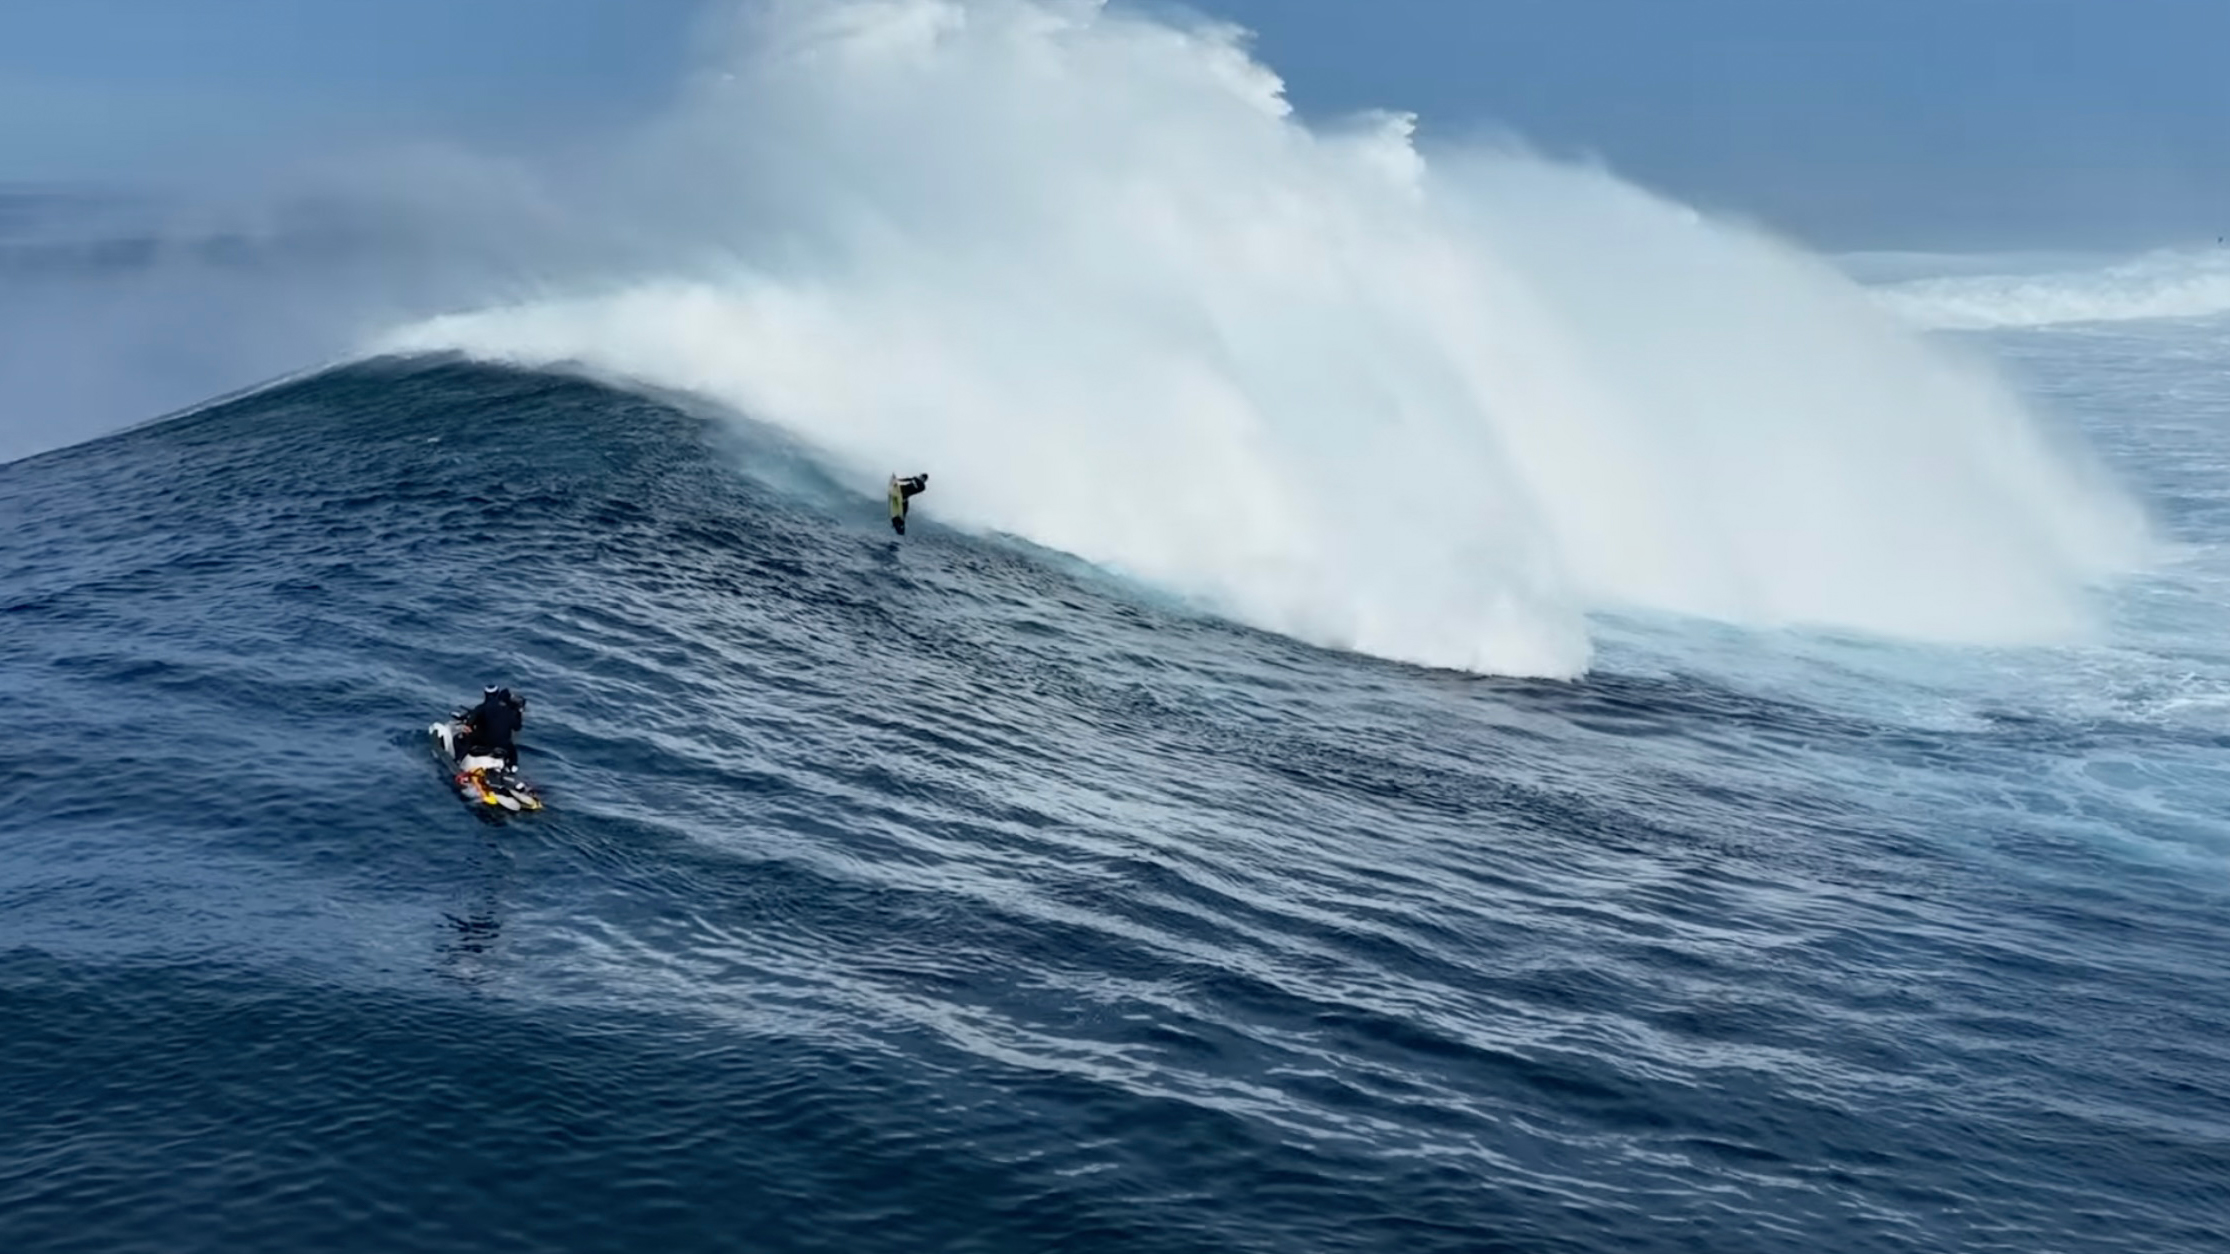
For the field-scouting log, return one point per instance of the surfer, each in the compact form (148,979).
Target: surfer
(489,726)
(903,491)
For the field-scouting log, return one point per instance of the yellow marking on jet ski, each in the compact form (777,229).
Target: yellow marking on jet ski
(476,781)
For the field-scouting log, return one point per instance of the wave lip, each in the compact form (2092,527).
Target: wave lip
(1086,267)
(2165,284)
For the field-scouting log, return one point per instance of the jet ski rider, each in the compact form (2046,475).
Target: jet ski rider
(490,726)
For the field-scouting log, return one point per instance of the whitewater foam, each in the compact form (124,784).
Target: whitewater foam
(2172,283)
(1087,268)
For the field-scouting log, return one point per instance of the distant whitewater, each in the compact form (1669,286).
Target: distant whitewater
(2171,283)
(1087,267)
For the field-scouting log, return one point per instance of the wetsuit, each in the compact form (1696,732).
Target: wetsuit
(902,492)
(491,725)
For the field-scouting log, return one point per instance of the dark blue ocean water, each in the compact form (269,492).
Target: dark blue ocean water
(948,895)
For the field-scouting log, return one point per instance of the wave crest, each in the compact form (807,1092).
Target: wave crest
(2166,284)
(1085,267)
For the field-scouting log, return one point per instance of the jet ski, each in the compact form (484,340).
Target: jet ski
(483,780)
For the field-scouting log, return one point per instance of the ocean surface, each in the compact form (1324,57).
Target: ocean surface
(1436,701)
(949,894)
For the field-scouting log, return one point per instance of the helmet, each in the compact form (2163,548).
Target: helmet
(491,690)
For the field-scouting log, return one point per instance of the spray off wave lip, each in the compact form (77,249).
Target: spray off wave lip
(1435,406)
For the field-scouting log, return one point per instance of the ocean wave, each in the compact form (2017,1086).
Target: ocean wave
(2167,284)
(1087,267)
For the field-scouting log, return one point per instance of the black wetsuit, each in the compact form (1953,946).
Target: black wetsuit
(903,493)
(491,726)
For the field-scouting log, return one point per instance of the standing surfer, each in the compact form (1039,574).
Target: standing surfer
(903,491)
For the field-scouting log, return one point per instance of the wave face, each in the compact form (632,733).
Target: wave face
(1087,268)
(948,894)
(2162,285)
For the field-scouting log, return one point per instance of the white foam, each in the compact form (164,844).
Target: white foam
(2166,284)
(1087,269)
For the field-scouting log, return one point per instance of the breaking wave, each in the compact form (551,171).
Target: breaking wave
(1088,268)
(2167,284)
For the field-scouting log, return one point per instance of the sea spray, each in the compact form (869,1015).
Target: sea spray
(1086,267)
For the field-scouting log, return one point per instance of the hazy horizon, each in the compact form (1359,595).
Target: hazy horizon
(1987,124)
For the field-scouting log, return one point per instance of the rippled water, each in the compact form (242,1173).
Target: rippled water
(952,895)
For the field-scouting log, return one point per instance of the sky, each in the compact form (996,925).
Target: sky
(1852,124)
(128,91)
